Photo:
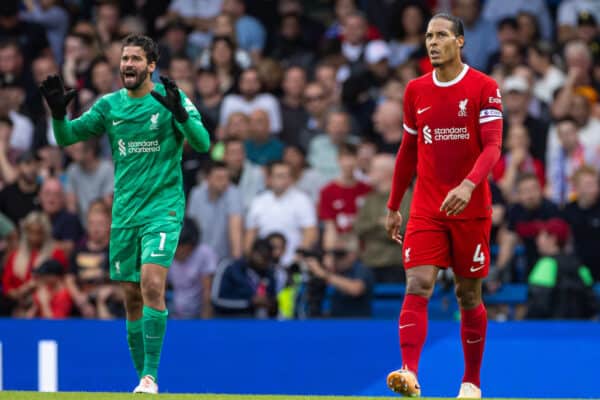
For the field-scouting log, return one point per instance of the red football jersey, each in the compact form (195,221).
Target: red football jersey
(340,204)
(447,117)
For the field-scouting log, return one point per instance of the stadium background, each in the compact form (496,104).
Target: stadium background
(330,73)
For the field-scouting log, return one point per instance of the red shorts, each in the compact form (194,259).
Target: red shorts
(463,245)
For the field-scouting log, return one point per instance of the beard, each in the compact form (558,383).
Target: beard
(133,84)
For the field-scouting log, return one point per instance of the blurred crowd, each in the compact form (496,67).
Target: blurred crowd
(304,103)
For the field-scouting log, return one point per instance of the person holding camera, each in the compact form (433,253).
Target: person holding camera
(351,283)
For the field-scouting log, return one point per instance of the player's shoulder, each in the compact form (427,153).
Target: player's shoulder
(480,78)
(425,80)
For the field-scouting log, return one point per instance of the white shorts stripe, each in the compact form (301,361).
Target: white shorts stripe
(409,130)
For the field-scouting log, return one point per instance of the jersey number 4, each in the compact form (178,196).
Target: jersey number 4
(479,257)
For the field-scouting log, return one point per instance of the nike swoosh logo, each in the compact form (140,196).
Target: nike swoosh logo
(156,254)
(475,269)
(152,337)
(406,326)
(422,110)
(474,341)
(119,122)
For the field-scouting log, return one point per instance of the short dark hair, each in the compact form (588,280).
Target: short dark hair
(347,149)
(213,165)
(507,22)
(190,233)
(147,44)
(271,166)
(525,177)
(458,28)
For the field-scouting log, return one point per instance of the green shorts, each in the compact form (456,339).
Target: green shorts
(152,243)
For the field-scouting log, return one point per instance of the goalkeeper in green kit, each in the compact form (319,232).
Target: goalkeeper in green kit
(146,124)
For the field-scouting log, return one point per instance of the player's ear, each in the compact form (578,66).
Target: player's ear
(151,66)
(460,40)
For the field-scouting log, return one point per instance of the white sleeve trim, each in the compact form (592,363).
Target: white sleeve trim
(409,130)
(488,119)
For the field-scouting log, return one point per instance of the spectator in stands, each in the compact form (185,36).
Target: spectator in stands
(323,149)
(88,178)
(66,229)
(191,274)
(216,207)
(495,10)
(174,41)
(228,61)
(312,30)
(382,255)
(12,97)
(20,198)
(51,298)
(290,46)
(199,18)
(237,127)
(293,114)
(247,177)
(522,217)
(387,121)
(208,97)
(180,69)
(588,126)
(261,148)
(316,103)
(565,160)
(479,33)
(326,76)
(409,32)
(583,215)
(30,36)
(283,209)
(80,52)
(8,168)
(365,152)
(250,33)
(251,98)
(559,285)
(340,200)
(108,15)
(362,90)
(246,288)
(516,99)
(353,44)
(305,178)
(35,246)
(506,32)
(17,76)
(515,161)
(529,29)
(89,269)
(550,77)
(567,17)
(53,18)
(351,282)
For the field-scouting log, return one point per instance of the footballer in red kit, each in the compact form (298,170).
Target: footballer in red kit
(452,140)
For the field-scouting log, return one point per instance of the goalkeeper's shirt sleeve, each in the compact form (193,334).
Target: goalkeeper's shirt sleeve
(193,129)
(89,124)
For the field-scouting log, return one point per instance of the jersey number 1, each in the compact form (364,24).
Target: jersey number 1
(163,238)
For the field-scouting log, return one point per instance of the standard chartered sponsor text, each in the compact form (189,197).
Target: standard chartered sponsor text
(143,146)
(453,133)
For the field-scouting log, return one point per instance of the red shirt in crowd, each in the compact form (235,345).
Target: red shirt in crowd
(341,204)
(11,281)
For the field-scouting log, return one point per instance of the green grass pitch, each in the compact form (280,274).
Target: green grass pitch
(167,396)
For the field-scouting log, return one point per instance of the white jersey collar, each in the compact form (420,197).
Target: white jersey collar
(453,81)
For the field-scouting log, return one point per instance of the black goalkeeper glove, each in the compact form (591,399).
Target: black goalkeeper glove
(53,90)
(172,101)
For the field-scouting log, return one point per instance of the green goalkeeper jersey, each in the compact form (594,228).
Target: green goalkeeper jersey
(146,143)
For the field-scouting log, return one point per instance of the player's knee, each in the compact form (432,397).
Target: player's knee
(152,290)
(420,286)
(467,297)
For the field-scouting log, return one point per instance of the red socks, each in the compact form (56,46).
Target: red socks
(412,330)
(473,325)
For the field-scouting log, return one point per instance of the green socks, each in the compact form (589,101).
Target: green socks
(155,324)
(135,339)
